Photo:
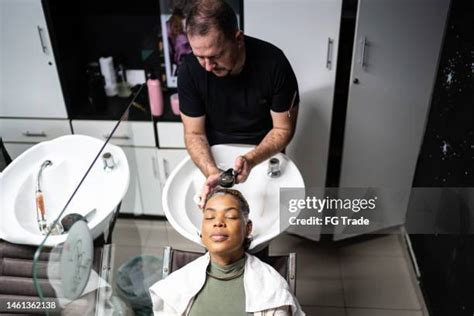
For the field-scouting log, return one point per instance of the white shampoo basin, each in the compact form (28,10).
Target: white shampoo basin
(261,191)
(71,156)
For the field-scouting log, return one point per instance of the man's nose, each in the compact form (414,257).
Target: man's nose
(208,64)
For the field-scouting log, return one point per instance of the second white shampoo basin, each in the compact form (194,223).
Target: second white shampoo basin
(261,191)
(71,157)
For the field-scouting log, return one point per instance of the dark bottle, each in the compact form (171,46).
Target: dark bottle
(95,87)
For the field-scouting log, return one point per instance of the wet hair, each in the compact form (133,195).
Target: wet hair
(207,14)
(243,206)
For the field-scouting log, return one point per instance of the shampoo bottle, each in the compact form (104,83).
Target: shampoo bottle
(155,95)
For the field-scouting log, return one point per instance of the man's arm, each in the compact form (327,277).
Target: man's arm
(197,145)
(198,148)
(284,125)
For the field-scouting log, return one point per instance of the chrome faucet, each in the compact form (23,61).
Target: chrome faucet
(273,168)
(109,163)
(40,209)
(45,164)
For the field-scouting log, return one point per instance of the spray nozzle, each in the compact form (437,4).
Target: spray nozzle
(227,178)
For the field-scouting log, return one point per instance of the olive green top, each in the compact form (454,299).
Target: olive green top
(223,292)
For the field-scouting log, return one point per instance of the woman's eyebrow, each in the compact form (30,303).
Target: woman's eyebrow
(225,210)
(231,209)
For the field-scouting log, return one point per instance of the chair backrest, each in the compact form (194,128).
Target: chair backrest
(173,259)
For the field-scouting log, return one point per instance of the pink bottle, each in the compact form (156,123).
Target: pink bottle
(155,95)
(174,100)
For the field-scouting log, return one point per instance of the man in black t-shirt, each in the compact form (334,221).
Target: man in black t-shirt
(233,89)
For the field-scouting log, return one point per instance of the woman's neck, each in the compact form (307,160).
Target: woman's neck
(225,260)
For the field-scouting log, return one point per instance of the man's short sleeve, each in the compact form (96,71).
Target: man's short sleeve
(284,85)
(190,101)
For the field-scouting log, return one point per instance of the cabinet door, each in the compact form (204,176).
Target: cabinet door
(170,134)
(29,78)
(308,33)
(16,149)
(32,130)
(127,133)
(168,159)
(149,179)
(132,201)
(395,59)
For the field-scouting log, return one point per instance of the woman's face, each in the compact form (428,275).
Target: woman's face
(223,226)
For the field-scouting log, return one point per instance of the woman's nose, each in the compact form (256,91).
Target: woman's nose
(219,222)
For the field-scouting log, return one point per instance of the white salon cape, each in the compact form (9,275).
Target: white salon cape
(266,291)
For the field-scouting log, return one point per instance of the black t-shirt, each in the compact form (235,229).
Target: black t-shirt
(237,108)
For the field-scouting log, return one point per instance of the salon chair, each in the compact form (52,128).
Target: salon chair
(173,259)
(17,284)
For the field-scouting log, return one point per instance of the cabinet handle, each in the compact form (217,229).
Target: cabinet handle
(43,45)
(155,170)
(29,134)
(162,171)
(363,44)
(329,54)
(165,168)
(122,137)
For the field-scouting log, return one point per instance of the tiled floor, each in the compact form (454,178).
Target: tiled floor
(369,276)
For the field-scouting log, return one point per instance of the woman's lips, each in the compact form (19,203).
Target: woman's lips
(219,237)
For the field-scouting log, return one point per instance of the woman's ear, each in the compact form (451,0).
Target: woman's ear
(249,228)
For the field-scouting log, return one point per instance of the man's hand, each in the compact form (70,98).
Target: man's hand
(275,141)
(242,166)
(211,182)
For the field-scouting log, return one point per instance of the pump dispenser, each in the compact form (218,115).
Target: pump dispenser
(155,95)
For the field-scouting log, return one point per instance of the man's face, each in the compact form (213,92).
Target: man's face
(223,226)
(215,53)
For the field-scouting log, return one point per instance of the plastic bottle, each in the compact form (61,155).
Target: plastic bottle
(108,71)
(123,88)
(155,95)
(174,100)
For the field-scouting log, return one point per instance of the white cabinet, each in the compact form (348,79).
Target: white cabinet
(149,169)
(32,130)
(170,134)
(132,201)
(308,33)
(21,134)
(149,180)
(168,159)
(16,149)
(127,133)
(395,59)
(29,81)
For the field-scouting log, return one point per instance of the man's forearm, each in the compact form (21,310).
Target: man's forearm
(200,152)
(274,142)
